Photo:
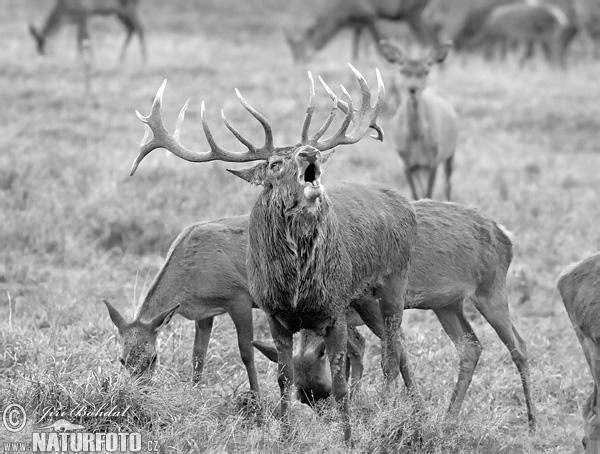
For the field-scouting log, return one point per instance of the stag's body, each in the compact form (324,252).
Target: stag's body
(579,287)
(203,276)
(425,124)
(319,248)
(360,15)
(79,12)
(529,25)
(459,254)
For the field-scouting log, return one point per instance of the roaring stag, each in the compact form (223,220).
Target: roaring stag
(579,287)
(425,124)
(460,254)
(204,275)
(312,252)
(79,12)
(359,15)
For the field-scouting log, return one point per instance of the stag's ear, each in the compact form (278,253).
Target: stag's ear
(162,319)
(115,316)
(320,350)
(253,175)
(439,53)
(267,349)
(392,53)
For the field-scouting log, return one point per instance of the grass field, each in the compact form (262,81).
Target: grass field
(75,228)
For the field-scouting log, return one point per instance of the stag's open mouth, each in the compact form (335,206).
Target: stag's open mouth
(310,178)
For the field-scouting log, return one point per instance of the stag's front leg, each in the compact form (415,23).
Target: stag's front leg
(283,340)
(336,338)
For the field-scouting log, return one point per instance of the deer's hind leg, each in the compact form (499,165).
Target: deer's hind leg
(468,346)
(493,305)
(133,25)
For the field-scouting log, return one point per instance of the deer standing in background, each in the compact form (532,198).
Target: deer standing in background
(79,12)
(359,15)
(204,275)
(425,124)
(312,252)
(459,254)
(579,287)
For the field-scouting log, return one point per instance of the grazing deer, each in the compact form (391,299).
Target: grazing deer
(459,254)
(425,125)
(310,251)
(79,11)
(528,24)
(359,15)
(203,276)
(579,287)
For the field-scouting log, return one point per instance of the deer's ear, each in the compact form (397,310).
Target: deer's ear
(115,316)
(253,175)
(392,53)
(325,156)
(162,319)
(267,349)
(439,53)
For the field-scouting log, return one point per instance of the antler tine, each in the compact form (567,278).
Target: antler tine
(162,139)
(362,119)
(268,146)
(336,102)
(309,110)
(341,132)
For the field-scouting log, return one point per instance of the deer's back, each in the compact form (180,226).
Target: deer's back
(458,250)
(87,7)
(437,137)
(205,264)
(579,287)
(525,19)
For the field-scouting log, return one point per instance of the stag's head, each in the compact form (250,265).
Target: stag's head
(138,340)
(414,71)
(290,174)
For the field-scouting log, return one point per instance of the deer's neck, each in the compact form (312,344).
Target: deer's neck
(413,115)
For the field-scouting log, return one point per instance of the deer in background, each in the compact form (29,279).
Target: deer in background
(312,252)
(459,254)
(579,287)
(425,124)
(204,275)
(528,24)
(79,12)
(359,15)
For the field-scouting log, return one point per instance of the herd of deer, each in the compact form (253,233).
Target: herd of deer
(321,262)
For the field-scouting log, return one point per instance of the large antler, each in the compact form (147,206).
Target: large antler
(362,119)
(162,139)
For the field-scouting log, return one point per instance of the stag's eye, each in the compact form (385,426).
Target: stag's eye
(275,166)
(122,361)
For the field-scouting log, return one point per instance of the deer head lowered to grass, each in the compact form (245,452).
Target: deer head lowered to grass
(311,252)
(204,275)
(460,253)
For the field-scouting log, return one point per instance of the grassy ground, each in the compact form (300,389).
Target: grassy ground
(76,228)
